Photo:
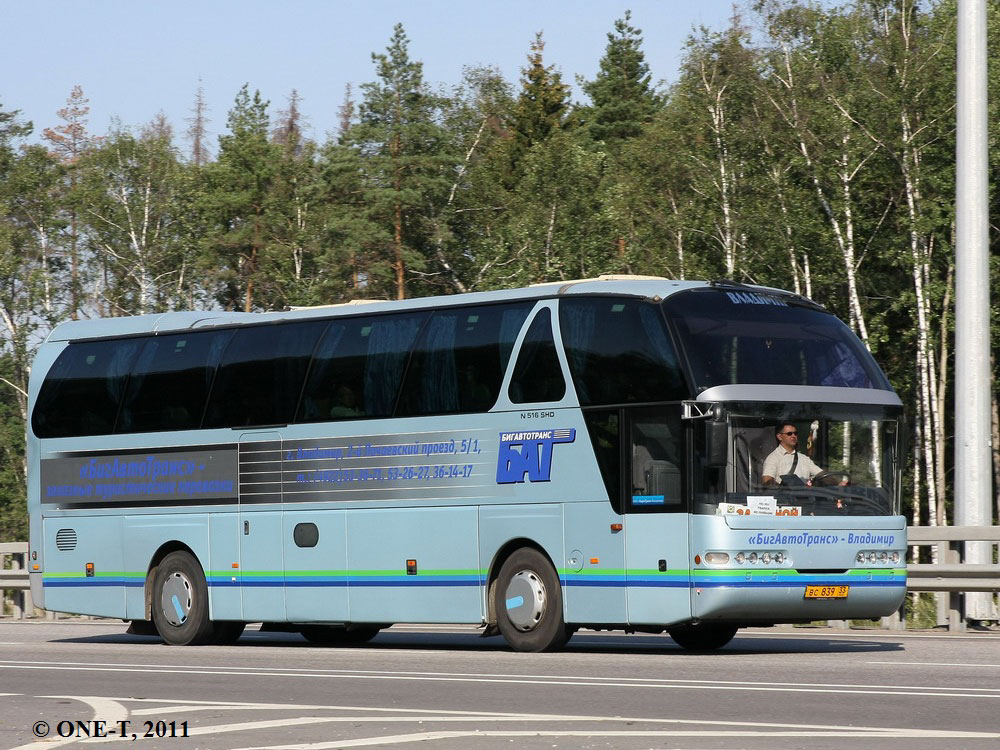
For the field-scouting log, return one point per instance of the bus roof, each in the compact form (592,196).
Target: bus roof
(650,287)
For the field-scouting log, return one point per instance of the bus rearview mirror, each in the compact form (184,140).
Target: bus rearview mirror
(716,435)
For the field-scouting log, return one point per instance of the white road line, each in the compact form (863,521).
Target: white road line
(527,679)
(426,736)
(105,709)
(883,634)
(111,709)
(933,664)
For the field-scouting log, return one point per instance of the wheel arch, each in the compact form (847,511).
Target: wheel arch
(507,549)
(162,551)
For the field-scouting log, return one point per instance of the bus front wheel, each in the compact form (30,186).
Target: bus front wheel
(529,603)
(180,601)
(702,637)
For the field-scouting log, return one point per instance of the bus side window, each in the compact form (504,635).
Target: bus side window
(460,359)
(537,375)
(358,367)
(83,388)
(170,380)
(619,351)
(657,450)
(604,428)
(261,375)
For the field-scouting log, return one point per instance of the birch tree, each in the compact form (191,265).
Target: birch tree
(127,197)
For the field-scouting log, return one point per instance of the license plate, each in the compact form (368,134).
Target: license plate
(826,592)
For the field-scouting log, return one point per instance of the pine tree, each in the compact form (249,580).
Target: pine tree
(69,142)
(288,130)
(623,101)
(543,103)
(346,113)
(237,194)
(404,150)
(197,130)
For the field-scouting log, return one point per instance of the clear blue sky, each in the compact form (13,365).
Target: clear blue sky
(134,58)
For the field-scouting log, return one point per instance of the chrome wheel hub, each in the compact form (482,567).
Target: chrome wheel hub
(525,600)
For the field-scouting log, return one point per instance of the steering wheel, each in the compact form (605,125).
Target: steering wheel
(831,479)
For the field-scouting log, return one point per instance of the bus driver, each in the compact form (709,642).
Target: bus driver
(785,459)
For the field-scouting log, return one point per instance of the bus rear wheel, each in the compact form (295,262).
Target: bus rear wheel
(180,601)
(703,637)
(528,603)
(335,635)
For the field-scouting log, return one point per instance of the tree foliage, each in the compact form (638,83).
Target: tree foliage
(804,146)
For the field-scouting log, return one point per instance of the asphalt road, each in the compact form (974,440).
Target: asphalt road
(449,689)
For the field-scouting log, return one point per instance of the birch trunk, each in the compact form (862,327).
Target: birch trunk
(717,113)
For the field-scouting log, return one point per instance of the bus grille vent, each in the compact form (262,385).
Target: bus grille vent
(66,540)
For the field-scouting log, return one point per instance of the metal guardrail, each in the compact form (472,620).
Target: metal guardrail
(948,575)
(15,578)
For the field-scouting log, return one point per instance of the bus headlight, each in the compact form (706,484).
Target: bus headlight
(881,557)
(716,558)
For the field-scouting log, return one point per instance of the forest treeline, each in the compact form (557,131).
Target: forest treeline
(804,147)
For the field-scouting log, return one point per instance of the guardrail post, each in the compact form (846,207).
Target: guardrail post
(956,599)
(17,610)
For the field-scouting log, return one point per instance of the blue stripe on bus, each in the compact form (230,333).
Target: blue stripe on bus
(581,581)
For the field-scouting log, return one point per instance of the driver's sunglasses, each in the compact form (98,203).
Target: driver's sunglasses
(793,432)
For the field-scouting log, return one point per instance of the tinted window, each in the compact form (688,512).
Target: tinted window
(170,381)
(743,337)
(537,375)
(619,351)
(261,375)
(656,457)
(460,360)
(605,435)
(82,390)
(358,367)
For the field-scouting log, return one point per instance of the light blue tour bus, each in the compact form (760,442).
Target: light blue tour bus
(584,454)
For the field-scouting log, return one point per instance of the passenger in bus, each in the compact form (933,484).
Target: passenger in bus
(345,404)
(785,465)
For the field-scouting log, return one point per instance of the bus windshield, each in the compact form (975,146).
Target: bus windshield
(840,463)
(740,337)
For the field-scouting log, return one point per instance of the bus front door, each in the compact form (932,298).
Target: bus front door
(658,576)
(262,569)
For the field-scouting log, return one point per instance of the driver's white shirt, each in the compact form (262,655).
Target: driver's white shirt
(780,461)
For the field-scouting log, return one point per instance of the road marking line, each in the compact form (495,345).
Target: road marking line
(427,714)
(773,729)
(895,690)
(104,708)
(108,706)
(570,682)
(426,736)
(933,664)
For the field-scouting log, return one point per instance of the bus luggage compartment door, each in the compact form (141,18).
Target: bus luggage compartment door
(658,576)
(262,570)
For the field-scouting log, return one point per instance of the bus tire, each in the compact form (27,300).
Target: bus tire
(180,601)
(226,632)
(333,635)
(703,637)
(528,603)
